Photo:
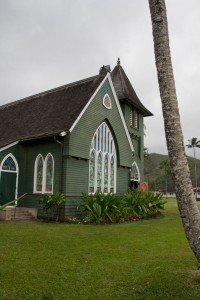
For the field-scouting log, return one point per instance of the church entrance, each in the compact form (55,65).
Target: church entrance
(8,179)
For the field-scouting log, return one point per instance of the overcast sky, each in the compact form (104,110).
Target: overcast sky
(49,43)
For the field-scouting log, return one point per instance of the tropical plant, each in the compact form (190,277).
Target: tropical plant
(135,204)
(142,203)
(52,203)
(100,207)
(194,143)
(188,209)
(165,167)
(11,202)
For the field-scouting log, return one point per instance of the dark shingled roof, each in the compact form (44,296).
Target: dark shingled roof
(51,112)
(125,91)
(47,113)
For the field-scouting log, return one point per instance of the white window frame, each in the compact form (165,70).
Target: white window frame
(45,173)
(104,103)
(136,119)
(44,191)
(104,149)
(35,174)
(138,171)
(131,117)
(10,171)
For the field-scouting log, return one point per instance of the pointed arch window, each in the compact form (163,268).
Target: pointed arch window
(102,165)
(112,174)
(49,173)
(99,172)
(38,174)
(106,164)
(92,171)
(9,164)
(134,172)
(43,174)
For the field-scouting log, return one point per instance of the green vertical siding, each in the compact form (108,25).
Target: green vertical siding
(122,180)
(137,137)
(96,113)
(25,154)
(75,182)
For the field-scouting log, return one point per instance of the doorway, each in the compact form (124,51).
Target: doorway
(8,179)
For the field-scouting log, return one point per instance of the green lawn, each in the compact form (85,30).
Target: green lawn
(141,260)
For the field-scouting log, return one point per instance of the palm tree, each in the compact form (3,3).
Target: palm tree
(194,143)
(165,167)
(187,205)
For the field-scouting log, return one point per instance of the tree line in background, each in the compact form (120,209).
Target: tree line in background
(157,169)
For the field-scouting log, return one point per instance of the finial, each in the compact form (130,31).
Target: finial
(118,62)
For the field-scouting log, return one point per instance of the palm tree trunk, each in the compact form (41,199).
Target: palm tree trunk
(179,166)
(166,186)
(195,172)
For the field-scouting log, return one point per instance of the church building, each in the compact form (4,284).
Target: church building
(85,136)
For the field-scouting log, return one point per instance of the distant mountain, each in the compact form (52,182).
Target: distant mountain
(156,177)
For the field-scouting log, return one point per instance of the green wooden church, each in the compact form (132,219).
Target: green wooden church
(86,136)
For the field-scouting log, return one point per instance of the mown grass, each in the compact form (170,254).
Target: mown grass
(148,259)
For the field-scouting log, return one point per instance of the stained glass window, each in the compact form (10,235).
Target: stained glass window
(39,174)
(136,120)
(112,175)
(43,178)
(92,171)
(107,102)
(9,164)
(102,165)
(106,174)
(49,173)
(131,117)
(99,172)
(135,172)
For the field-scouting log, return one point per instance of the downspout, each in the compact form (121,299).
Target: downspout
(61,159)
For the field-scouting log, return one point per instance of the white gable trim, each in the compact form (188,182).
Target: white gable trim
(120,112)
(118,106)
(84,109)
(8,146)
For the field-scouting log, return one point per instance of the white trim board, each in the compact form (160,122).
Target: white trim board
(8,146)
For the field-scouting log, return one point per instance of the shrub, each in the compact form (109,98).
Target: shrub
(110,208)
(102,208)
(143,204)
(52,203)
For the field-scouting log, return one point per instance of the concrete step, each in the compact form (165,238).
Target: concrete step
(11,213)
(22,214)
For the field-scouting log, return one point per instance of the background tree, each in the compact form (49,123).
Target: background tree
(194,143)
(188,209)
(165,167)
(146,153)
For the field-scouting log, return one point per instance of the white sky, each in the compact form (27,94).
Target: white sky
(48,43)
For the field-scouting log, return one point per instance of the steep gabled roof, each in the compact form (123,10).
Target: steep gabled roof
(47,113)
(125,91)
(54,111)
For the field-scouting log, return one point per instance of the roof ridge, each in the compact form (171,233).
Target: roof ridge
(48,92)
